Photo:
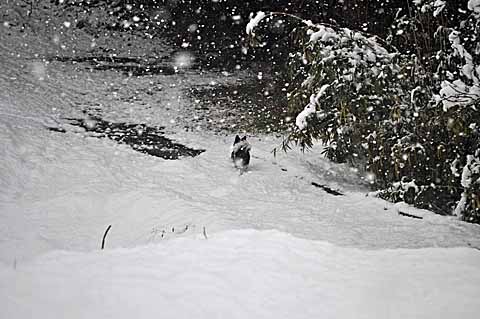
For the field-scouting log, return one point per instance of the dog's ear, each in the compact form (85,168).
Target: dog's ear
(244,138)
(237,139)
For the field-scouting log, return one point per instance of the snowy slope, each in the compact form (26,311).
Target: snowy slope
(245,274)
(60,191)
(267,253)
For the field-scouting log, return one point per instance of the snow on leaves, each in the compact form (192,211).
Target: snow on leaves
(458,92)
(474,5)
(354,52)
(378,108)
(254,22)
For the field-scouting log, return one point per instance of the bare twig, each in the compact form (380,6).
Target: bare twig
(205,232)
(409,215)
(327,189)
(105,235)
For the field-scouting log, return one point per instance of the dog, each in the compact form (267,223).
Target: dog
(241,152)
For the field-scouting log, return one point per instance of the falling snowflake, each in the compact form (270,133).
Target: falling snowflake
(183,60)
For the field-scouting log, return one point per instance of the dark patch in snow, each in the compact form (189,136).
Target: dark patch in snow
(98,59)
(327,189)
(57,129)
(128,65)
(227,59)
(142,66)
(142,138)
(260,106)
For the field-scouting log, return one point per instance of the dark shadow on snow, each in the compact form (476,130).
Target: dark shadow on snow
(127,65)
(254,107)
(142,138)
(144,66)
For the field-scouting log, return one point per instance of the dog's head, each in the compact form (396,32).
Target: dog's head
(241,152)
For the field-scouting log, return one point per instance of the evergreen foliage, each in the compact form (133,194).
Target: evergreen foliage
(409,117)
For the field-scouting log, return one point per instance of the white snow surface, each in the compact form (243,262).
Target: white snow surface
(193,238)
(245,274)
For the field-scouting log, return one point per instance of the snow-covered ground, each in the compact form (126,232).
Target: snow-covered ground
(245,274)
(193,238)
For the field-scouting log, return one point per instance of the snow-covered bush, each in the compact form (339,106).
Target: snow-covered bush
(458,74)
(344,83)
(469,204)
(404,118)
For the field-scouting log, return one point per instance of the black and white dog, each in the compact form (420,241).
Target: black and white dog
(241,152)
